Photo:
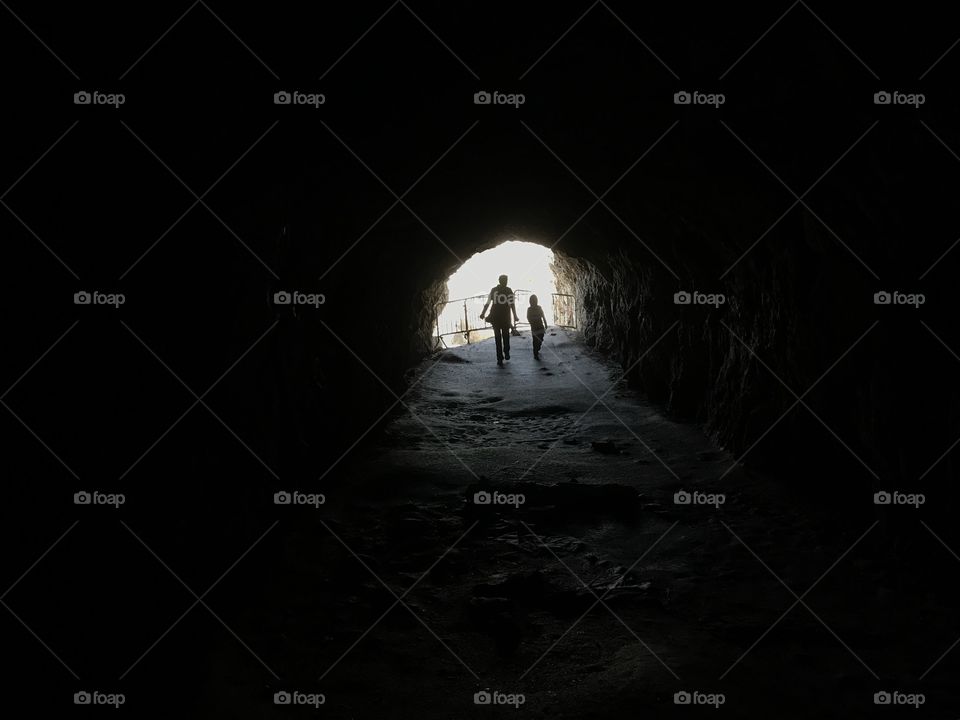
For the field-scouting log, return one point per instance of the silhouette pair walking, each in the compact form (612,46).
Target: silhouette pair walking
(502,307)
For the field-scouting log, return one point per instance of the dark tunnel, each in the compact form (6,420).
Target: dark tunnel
(259,479)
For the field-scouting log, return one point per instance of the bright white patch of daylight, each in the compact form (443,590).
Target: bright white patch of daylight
(527,267)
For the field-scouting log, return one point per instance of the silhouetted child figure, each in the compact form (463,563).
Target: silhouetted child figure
(538,325)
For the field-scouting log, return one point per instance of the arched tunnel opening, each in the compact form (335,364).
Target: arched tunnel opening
(534,273)
(263,438)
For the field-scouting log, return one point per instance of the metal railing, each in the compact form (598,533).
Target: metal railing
(564,310)
(468,320)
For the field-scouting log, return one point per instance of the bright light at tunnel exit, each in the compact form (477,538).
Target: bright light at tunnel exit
(527,267)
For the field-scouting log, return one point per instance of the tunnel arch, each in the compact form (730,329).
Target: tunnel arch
(696,364)
(531,269)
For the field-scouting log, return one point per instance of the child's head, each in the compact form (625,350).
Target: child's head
(533,301)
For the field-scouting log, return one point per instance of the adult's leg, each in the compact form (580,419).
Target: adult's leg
(506,341)
(499,342)
(537,342)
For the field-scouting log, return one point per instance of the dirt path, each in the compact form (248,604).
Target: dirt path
(503,596)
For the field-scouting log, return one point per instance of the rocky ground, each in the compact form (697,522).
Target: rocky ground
(583,586)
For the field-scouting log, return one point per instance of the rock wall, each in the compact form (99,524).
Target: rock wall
(881,406)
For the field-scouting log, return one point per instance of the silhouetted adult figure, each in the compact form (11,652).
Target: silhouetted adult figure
(500,302)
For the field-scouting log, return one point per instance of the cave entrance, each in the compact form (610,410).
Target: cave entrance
(530,270)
